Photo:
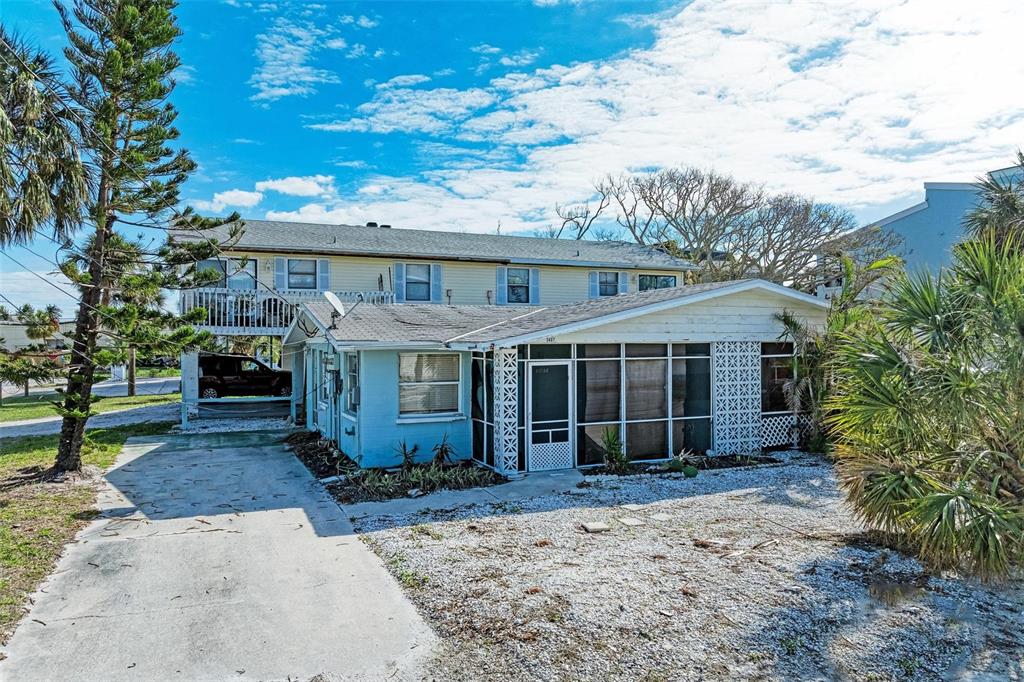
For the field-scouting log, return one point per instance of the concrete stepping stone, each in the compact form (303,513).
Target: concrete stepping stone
(596,527)
(660,517)
(630,521)
(632,507)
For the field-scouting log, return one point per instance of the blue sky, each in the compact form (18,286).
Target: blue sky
(471,115)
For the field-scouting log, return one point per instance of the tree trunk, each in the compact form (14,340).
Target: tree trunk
(26,389)
(131,372)
(78,394)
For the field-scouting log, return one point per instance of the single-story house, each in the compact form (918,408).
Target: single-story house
(696,368)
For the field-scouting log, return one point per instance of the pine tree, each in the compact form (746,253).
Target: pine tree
(122,64)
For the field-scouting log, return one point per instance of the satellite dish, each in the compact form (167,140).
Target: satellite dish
(335,301)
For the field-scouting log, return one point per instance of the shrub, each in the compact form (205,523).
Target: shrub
(614,458)
(927,410)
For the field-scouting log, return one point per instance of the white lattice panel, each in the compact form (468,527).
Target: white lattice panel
(737,396)
(550,456)
(777,430)
(506,409)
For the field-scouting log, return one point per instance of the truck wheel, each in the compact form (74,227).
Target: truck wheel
(209,393)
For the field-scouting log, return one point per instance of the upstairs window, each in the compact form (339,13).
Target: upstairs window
(301,273)
(234,273)
(648,282)
(519,285)
(428,383)
(607,283)
(417,282)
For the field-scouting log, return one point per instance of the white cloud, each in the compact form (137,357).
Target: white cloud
(484,48)
(336,44)
(366,22)
(404,81)
(856,103)
(246,140)
(521,58)
(407,110)
(184,75)
(308,186)
(357,51)
(285,53)
(234,198)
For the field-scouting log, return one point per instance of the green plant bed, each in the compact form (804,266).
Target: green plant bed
(375,485)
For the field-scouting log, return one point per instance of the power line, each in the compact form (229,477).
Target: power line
(177,214)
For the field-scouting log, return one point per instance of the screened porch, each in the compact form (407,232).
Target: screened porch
(658,400)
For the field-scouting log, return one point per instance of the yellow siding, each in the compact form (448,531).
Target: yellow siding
(470,283)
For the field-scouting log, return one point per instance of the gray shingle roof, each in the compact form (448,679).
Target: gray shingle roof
(437,324)
(273,235)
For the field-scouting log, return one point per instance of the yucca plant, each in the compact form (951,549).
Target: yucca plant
(927,411)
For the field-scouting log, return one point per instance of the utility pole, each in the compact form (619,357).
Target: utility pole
(131,371)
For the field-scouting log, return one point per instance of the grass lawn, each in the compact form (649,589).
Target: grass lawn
(40,405)
(154,372)
(38,518)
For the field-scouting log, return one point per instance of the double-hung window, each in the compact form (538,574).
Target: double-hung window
(607,283)
(519,285)
(428,383)
(351,383)
(417,282)
(648,282)
(301,273)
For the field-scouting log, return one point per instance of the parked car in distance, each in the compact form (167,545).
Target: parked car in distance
(225,374)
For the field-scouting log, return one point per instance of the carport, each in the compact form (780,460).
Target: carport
(196,407)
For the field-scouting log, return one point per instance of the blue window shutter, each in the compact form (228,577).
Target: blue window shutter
(534,286)
(436,284)
(623,282)
(323,274)
(595,288)
(280,274)
(400,282)
(501,286)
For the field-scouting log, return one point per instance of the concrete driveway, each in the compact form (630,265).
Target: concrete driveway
(217,557)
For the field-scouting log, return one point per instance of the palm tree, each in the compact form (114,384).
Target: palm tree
(927,411)
(1001,210)
(43,183)
(814,348)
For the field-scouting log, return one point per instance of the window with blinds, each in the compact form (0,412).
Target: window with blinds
(428,383)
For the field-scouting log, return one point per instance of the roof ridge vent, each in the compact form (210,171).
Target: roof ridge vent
(386,227)
(371,224)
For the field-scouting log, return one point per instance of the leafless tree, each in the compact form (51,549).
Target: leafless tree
(732,229)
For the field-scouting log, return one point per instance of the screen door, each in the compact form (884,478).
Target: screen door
(550,437)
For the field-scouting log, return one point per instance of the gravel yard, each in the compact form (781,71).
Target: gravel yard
(753,573)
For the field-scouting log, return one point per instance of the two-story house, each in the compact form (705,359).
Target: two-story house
(525,354)
(277,263)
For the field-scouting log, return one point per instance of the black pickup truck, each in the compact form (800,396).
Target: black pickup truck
(224,374)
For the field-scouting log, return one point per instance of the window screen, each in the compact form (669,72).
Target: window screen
(301,273)
(417,282)
(428,383)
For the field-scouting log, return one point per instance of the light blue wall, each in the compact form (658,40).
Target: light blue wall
(348,427)
(379,432)
(929,234)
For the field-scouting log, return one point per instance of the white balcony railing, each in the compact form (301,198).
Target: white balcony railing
(260,312)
